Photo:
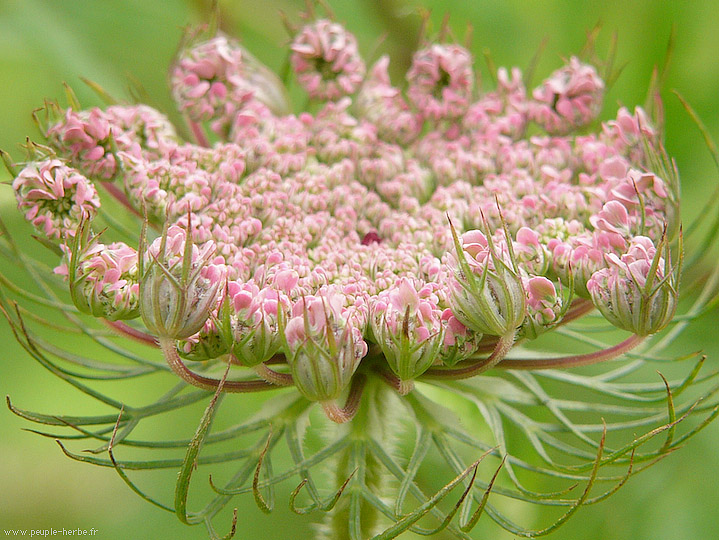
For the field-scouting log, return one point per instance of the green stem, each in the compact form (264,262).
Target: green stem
(353,518)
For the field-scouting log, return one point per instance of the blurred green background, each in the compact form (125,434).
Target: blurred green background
(43,43)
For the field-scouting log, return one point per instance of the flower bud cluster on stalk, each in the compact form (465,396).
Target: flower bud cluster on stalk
(416,229)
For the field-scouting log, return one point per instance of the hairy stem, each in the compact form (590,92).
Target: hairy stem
(344,414)
(502,347)
(272,376)
(353,518)
(206,383)
(132,333)
(402,387)
(575,360)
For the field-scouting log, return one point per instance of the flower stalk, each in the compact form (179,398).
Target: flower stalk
(169,350)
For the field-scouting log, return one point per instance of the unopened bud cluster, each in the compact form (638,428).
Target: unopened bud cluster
(407,225)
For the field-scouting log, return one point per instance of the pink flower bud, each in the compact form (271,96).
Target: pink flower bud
(179,284)
(632,292)
(406,322)
(208,343)
(323,344)
(628,133)
(256,321)
(103,278)
(613,218)
(544,306)
(570,98)
(213,80)
(531,254)
(90,139)
(486,292)
(459,341)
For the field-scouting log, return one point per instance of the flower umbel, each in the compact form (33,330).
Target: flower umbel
(179,284)
(487,292)
(637,292)
(407,324)
(55,197)
(103,278)
(397,259)
(324,345)
(326,60)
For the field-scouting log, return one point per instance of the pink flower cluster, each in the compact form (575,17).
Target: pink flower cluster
(104,280)
(407,323)
(324,343)
(326,60)
(90,139)
(425,224)
(179,284)
(571,98)
(256,330)
(55,197)
(441,81)
(635,291)
(215,78)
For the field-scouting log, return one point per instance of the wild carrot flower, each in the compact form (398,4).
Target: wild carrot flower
(636,292)
(258,312)
(324,345)
(55,197)
(103,278)
(90,139)
(213,79)
(487,291)
(571,98)
(406,322)
(179,284)
(441,81)
(326,60)
(377,255)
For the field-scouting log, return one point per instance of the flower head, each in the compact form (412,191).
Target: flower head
(179,284)
(570,98)
(103,278)
(55,197)
(544,306)
(358,251)
(255,323)
(407,323)
(487,294)
(637,291)
(91,139)
(213,80)
(326,60)
(324,345)
(441,81)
